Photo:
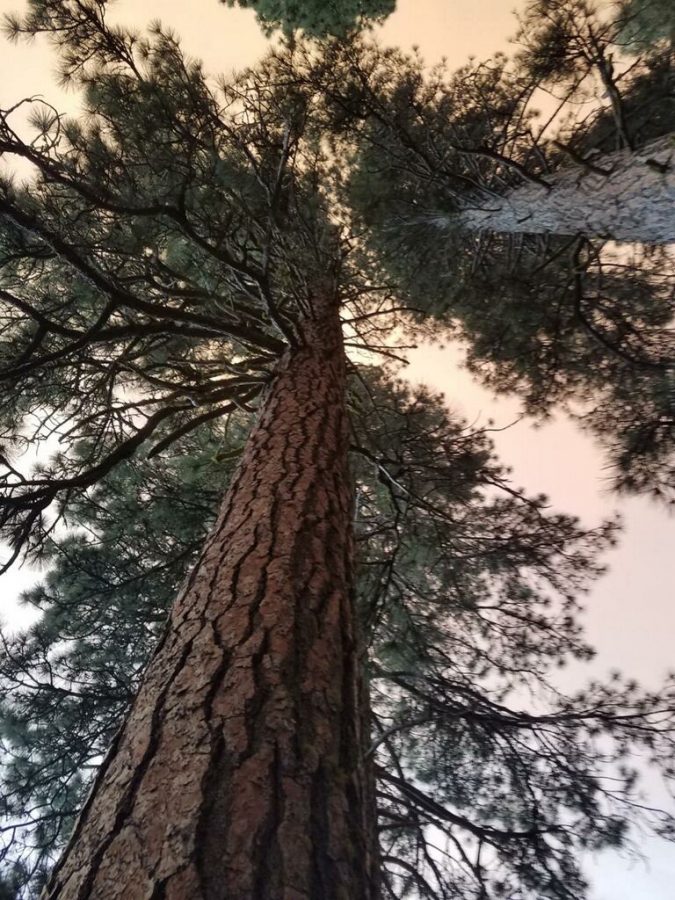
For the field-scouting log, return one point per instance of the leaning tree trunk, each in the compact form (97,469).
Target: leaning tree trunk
(239,773)
(623,196)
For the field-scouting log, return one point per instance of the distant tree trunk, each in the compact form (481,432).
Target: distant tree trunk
(631,199)
(239,773)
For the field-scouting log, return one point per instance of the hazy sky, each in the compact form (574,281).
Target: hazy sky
(631,614)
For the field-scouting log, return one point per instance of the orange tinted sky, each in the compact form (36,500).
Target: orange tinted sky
(631,617)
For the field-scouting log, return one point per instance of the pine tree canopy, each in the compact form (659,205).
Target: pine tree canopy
(318,18)
(166,252)
(644,22)
(569,318)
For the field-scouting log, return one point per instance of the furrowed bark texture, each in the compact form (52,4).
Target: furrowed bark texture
(239,772)
(633,201)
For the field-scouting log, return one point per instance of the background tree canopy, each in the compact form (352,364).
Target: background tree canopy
(571,320)
(317,18)
(644,22)
(148,289)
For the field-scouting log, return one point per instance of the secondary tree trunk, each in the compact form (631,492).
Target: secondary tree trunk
(239,773)
(633,201)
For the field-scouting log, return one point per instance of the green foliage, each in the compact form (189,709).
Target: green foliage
(648,102)
(317,18)
(560,320)
(644,23)
(594,59)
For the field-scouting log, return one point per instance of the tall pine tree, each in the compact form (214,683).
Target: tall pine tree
(492,221)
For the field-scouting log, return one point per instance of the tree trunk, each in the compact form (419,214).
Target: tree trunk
(631,199)
(239,772)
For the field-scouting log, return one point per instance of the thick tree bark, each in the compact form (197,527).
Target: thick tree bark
(631,199)
(239,772)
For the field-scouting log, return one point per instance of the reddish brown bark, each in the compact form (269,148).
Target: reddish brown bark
(239,772)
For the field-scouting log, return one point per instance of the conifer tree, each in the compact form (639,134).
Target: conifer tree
(175,286)
(548,307)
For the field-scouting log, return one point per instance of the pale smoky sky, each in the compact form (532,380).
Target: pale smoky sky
(630,613)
